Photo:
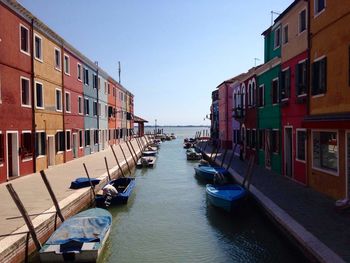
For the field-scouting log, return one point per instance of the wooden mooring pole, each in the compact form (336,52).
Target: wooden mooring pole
(116,159)
(132,147)
(131,152)
(223,158)
(91,185)
(109,176)
(52,195)
(126,160)
(25,215)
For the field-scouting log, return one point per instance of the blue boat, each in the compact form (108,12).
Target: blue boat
(79,238)
(82,182)
(207,172)
(225,196)
(115,192)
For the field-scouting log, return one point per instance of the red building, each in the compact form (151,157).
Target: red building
(225,114)
(293,90)
(74,105)
(16,96)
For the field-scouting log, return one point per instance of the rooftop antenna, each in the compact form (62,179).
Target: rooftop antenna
(255,60)
(273,13)
(119,71)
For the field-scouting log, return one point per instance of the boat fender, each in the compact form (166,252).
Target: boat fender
(110,190)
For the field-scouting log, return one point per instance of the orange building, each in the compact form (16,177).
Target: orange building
(329,108)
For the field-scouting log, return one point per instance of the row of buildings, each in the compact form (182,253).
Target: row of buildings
(293,112)
(55,103)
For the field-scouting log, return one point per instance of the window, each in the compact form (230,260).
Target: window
(106,111)
(79,71)
(24,32)
(253,93)
(301,78)
(68,140)
(114,92)
(26,145)
(94,108)
(87,138)
(2,149)
(275,141)
(25,92)
(80,139)
(99,83)
(59,141)
(277,38)
(92,139)
(249,94)
(248,138)
(274,87)
(80,105)
(285,84)
(325,151)
(261,95)
(68,102)
(105,87)
(99,109)
(94,81)
(40,143)
(261,139)
(58,100)
(38,48)
(57,58)
(39,95)
(109,89)
(86,107)
(320,5)
(302,21)
(319,76)
(301,145)
(86,76)
(285,34)
(95,136)
(66,65)
(253,140)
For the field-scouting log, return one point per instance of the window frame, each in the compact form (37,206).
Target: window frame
(287,88)
(59,67)
(284,38)
(29,158)
(316,14)
(41,155)
(296,77)
(80,105)
(87,109)
(20,39)
(60,101)
(272,91)
(70,140)
(66,65)
(68,104)
(79,71)
(261,101)
(297,144)
(58,141)
(299,21)
(40,59)
(275,46)
(327,171)
(81,139)
(29,92)
(278,141)
(318,60)
(43,97)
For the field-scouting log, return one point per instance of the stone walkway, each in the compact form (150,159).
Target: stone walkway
(312,210)
(35,196)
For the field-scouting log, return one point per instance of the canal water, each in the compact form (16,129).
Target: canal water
(168,219)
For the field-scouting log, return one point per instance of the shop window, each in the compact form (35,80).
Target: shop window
(274,87)
(319,76)
(285,84)
(26,145)
(325,151)
(301,145)
(275,141)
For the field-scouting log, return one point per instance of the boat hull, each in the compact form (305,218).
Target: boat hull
(205,172)
(226,197)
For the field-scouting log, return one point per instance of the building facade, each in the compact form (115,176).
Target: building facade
(225,114)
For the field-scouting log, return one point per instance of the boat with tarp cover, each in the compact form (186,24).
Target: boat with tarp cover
(79,238)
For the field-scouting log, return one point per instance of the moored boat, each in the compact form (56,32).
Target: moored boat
(192,154)
(149,153)
(115,192)
(207,172)
(79,238)
(146,162)
(225,196)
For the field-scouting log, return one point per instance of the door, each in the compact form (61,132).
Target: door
(288,151)
(267,149)
(103,139)
(12,155)
(75,145)
(51,150)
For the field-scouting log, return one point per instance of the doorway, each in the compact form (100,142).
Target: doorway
(51,150)
(12,154)
(75,145)
(268,149)
(288,151)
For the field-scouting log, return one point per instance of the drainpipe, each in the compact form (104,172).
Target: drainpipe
(64,104)
(32,99)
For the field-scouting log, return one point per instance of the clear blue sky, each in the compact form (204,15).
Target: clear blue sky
(174,53)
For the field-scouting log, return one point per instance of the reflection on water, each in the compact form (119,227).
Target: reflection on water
(167,219)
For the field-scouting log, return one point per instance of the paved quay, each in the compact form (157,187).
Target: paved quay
(36,199)
(309,217)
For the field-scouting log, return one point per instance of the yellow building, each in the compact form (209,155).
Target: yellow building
(49,107)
